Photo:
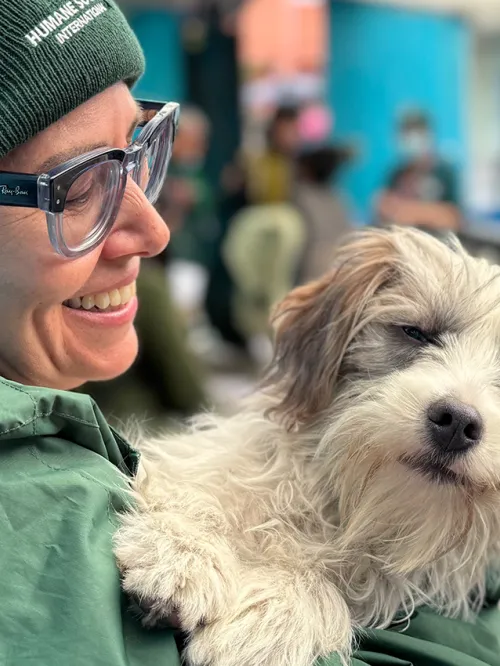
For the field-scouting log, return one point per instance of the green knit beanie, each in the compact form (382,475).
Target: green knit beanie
(55,55)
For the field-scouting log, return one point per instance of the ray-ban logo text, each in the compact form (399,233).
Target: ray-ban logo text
(13,191)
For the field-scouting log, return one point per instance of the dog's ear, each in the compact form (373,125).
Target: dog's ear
(315,323)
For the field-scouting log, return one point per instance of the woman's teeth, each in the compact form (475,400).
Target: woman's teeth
(105,300)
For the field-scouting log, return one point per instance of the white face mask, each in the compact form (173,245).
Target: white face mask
(415,143)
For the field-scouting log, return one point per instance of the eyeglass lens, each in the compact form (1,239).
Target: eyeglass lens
(90,202)
(95,196)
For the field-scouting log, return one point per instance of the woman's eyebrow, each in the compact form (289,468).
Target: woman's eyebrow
(137,121)
(64,156)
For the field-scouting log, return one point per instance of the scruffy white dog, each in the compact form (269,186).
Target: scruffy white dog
(362,482)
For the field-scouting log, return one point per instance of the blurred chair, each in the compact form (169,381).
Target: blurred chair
(262,252)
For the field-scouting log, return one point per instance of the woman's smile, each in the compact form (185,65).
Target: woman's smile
(109,308)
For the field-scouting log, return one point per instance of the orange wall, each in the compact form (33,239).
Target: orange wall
(283,36)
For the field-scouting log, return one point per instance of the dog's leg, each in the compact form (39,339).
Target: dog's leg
(175,558)
(280,618)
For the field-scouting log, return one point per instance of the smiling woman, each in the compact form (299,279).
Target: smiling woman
(76,218)
(92,204)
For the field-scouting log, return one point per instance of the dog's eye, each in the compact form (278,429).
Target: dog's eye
(416,334)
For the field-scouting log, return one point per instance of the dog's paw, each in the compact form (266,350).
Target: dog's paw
(171,573)
(284,626)
(153,614)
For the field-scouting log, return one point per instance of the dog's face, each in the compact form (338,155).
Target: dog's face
(396,354)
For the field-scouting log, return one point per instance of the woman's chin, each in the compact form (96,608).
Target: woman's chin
(110,361)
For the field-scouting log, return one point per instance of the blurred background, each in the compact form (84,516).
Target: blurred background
(301,120)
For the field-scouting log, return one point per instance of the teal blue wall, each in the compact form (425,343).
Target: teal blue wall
(384,60)
(160,35)
(207,77)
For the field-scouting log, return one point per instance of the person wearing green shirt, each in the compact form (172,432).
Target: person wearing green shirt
(423,189)
(81,165)
(77,216)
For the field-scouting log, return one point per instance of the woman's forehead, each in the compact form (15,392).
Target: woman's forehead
(103,121)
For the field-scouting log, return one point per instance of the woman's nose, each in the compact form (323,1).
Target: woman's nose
(138,229)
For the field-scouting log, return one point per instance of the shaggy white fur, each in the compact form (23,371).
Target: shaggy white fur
(324,504)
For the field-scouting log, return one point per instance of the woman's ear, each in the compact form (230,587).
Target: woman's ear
(315,324)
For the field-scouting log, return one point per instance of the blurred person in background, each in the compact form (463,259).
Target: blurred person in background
(322,207)
(287,234)
(316,195)
(263,178)
(187,200)
(423,190)
(269,176)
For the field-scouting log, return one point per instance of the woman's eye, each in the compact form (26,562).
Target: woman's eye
(78,200)
(416,334)
(80,192)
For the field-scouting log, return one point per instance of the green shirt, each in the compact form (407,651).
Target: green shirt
(432,640)
(61,604)
(60,492)
(437,183)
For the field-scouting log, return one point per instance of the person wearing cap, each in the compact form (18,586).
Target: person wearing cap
(80,169)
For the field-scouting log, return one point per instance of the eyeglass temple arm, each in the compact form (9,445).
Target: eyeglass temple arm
(18,189)
(150,109)
(150,105)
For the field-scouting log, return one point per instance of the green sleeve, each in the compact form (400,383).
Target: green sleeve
(334,660)
(59,586)
(432,640)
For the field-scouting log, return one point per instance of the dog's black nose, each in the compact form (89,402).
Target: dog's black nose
(453,426)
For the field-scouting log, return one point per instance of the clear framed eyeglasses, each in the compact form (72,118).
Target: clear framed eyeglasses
(81,198)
